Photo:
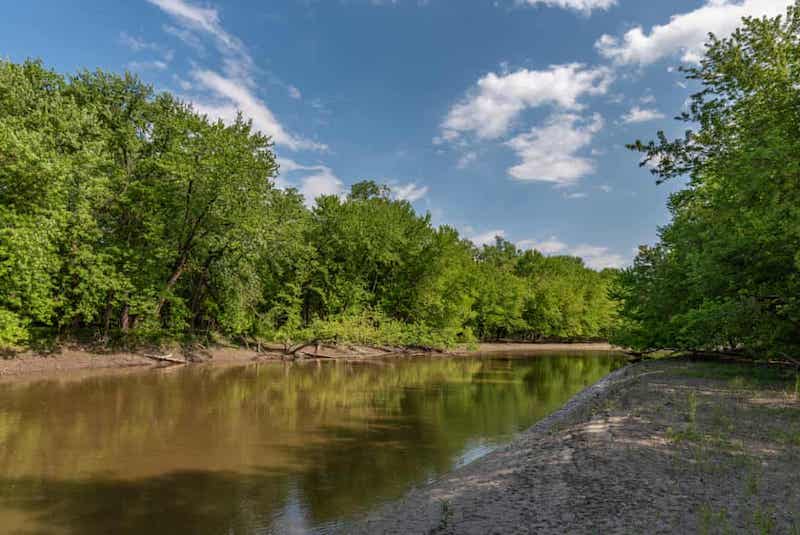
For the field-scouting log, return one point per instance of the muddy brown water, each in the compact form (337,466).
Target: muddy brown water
(263,448)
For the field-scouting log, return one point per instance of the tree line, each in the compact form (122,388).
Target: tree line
(127,216)
(725,275)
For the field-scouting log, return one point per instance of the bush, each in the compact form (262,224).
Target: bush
(12,330)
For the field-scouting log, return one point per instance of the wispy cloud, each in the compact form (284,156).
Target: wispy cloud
(221,95)
(641,115)
(598,257)
(136,44)
(233,97)
(549,246)
(594,256)
(205,19)
(584,6)
(466,159)
(294,92)
(410,192)
(156,65)
(488,237)
(187,37)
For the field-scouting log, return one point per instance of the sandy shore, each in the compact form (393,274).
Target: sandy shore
(30,365)
(657,447)
(528,348)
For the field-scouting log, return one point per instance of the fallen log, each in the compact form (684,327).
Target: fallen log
(165,358)
(298,348)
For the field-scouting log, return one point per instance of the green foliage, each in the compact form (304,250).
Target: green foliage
(125,214)
(725,275)
(12,330)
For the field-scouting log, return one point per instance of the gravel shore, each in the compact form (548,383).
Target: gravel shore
(659,447)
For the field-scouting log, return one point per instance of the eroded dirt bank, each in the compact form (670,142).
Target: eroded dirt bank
(670,446)
(30,365)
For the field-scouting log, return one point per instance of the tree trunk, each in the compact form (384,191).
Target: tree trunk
(173,279)
(107,315)
(124,322)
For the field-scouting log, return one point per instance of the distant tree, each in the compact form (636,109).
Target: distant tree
(125,213)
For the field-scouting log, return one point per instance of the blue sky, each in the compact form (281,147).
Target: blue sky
(503,117)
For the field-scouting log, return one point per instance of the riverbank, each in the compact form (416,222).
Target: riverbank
(31,364)
(670,446)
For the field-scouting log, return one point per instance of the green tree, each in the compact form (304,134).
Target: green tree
(126,214)
(725,275)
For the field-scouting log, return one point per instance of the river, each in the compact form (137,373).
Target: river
(262,448)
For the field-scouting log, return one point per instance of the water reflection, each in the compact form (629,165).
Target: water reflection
(261,448)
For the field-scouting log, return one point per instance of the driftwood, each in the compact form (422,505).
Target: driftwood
(165,358)
(315,349)
(298,348)
(306,354)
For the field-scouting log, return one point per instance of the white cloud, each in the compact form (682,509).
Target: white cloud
(576,195)
(236,61)
(205,19)
(491,107)
(648,99)
(605,188)
(586,6)
(288,165)
(185,85)
(136,44)
(321,181)
(594,256)
(234,91)
(233,97)
(549,246)
(597,257)
(641,115)
(686,32)
(156,65)
(294,92)
(186,36)
(409,192)
(549,153)
(487,238)
(466,159)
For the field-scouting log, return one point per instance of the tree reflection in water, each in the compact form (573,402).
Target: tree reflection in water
(261,447)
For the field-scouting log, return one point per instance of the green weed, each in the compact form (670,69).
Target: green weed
(691,410)
(710,521)
(445,518)
(764,520)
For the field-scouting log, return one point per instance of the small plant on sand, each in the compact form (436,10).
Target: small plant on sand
(737,383)
(764,520)
(710,521)
(753,480)
(691,410)
(444,520)
(689,434)
(789,437)
(720,420)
